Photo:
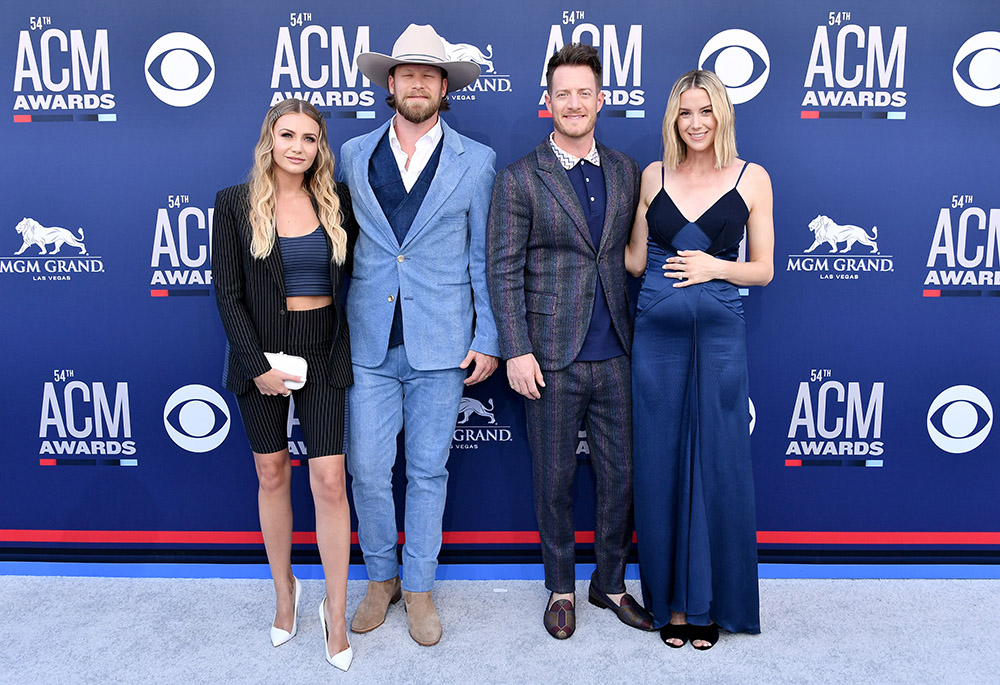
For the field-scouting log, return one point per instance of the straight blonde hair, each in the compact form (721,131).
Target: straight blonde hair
(318,182)
(674,148)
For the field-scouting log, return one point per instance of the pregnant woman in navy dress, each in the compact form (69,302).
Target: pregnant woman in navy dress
(694,496)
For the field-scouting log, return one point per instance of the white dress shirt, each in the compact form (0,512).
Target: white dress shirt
(424,149)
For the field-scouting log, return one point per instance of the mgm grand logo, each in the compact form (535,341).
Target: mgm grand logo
(44,261)
(841,240)
(489,80)
(477,424)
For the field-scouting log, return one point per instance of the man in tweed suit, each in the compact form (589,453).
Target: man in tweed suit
(559,221)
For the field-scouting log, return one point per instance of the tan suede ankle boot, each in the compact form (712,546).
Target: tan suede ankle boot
(425,626)
(372,610)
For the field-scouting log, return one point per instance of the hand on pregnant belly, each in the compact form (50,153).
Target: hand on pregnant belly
(690,267)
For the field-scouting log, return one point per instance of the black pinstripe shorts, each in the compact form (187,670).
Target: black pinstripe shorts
(320,406)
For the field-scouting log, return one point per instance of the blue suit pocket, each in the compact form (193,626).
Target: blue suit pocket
(540,303)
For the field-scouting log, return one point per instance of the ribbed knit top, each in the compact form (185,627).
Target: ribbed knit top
(305,260)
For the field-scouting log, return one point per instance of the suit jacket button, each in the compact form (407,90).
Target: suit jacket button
(281,312)
(391,298)
(400,259)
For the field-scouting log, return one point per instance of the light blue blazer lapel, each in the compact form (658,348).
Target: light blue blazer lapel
(451,170)
(555,179)
(362,193)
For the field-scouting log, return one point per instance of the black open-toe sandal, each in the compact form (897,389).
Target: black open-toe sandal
(674,631)
(709,634)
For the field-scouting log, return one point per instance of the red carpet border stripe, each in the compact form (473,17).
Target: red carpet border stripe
(530,537)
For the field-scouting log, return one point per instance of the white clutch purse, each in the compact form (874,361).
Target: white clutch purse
(289,363)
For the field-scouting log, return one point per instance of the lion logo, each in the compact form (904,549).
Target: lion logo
(33,233)
(825,230)
(463,52)
(469,406)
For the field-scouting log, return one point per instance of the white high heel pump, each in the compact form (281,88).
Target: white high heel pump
(341,660)
(279,636)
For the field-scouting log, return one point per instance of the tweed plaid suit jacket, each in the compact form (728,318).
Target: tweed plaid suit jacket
(542,263)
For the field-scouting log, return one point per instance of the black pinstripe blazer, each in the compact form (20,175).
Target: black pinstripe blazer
(250,294)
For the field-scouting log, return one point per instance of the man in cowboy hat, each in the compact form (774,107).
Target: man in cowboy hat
(419,314)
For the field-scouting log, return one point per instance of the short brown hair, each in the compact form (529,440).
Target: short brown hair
(390,99)
(574,54)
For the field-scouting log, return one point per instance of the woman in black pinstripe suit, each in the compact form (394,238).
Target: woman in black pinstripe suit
(282,242)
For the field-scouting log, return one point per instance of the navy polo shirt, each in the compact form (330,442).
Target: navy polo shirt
(601,341)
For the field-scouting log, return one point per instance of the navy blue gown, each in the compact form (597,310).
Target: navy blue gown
(695,515)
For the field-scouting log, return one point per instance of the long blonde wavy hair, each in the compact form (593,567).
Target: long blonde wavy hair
(674,148)
(318,182)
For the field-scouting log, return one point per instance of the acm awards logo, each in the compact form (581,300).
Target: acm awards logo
(959,419)
(196,418)
(976,70)
(833,422)
(964,256)
(740,60)
(182,249)
(853,71)
(61,71)
(41,254)
(180,69)
(319,64)
(489,80)
(841,251)
(621,55)
(85,418)
(476,424)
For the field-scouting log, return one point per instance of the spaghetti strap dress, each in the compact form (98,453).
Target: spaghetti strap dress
(695,514)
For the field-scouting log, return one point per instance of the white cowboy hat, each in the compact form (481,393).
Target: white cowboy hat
(418,45)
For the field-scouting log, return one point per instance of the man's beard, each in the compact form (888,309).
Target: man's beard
(419,111)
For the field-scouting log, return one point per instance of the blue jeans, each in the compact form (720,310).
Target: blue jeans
(382,401)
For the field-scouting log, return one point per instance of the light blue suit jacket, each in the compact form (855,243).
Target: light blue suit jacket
(440,269)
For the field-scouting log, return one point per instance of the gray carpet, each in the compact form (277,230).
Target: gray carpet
(112,630)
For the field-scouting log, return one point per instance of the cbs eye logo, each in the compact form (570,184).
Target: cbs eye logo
(976,70)
(180,69)
(741,62)
(196,418)
(959,419)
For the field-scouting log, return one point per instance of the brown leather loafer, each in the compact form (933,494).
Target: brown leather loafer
(425,625)
(631,613)
(560,618)
(372,610)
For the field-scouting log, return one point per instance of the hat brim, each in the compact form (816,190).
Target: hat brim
(375,66)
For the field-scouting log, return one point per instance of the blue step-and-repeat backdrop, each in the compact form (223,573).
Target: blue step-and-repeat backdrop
(873,353)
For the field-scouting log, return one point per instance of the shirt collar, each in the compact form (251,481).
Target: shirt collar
(429,139)
(568,161)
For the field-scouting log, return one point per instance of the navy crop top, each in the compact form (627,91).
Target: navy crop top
(305,260)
